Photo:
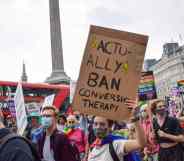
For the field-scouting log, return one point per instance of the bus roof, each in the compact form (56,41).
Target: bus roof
(35,85)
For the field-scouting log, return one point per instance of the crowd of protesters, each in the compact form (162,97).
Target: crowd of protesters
(150,135)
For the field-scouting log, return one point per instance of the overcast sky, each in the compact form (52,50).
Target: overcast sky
(25,33)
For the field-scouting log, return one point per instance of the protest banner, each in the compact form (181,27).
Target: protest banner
(21,116)
(147,90)
(33,107)
(4,108)
(11,107)
(110,72)
(7,105)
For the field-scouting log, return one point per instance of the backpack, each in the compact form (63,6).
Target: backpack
(12,136)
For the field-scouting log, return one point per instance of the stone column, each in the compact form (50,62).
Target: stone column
(58,75)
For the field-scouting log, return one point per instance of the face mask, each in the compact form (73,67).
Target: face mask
(100,133)
(161,112)
(71,126)
(46,122)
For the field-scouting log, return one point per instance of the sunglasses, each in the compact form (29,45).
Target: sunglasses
(71,122)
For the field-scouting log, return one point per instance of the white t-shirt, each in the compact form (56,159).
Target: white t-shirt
(102,153)
(48,154)
(60,127)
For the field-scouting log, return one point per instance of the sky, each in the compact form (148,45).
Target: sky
(25,31)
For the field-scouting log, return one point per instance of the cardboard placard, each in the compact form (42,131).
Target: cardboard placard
(110,72)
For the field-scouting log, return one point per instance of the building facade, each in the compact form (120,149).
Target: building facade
(169,69)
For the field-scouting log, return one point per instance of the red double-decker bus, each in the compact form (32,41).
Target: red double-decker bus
(35,92)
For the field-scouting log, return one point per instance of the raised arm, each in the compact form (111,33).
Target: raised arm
(140,140)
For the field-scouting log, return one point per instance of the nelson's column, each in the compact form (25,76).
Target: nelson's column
(58,75)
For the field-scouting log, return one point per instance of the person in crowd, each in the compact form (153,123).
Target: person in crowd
(34,128)
(82,121)
(152,148)
(53,145)
(90,135)
(168,133)
(180,115)
(9,123)
(15,149)
(61,122)
(77,115)
(107,147)
(76,135)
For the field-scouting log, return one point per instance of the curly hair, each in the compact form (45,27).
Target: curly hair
(154,105)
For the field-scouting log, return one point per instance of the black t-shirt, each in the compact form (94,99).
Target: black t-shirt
(170,126)
(91,135)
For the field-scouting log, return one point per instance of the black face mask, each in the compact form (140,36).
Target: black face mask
(161,112)
(100,132)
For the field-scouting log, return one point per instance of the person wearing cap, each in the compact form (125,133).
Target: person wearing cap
(36,127)
(168,133)
(76,135)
